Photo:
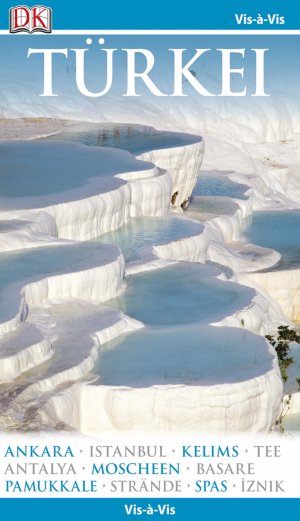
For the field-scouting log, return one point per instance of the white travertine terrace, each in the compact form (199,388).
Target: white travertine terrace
(249,405)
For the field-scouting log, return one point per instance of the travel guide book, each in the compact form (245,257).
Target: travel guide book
(149,260)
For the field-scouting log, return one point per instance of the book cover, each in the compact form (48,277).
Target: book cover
(149,260)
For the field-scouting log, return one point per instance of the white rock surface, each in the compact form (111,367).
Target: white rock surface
(283,286)
(251,405)
(22,351)
(183,165)
(227,408)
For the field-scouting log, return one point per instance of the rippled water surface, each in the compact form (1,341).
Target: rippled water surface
(280,231)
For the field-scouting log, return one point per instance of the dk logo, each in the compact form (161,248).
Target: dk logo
(30,19)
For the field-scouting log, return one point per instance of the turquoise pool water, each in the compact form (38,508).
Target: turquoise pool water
(182,355)
(42,168)
(280,231)
(20,266)
(13,224)
(142,232)
(210,183)
(137,139)
(180,294)
(216,205)
(55,164)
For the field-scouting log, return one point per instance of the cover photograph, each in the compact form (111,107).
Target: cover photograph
(149,260)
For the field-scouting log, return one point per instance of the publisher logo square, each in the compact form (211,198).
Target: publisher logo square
(30,19)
